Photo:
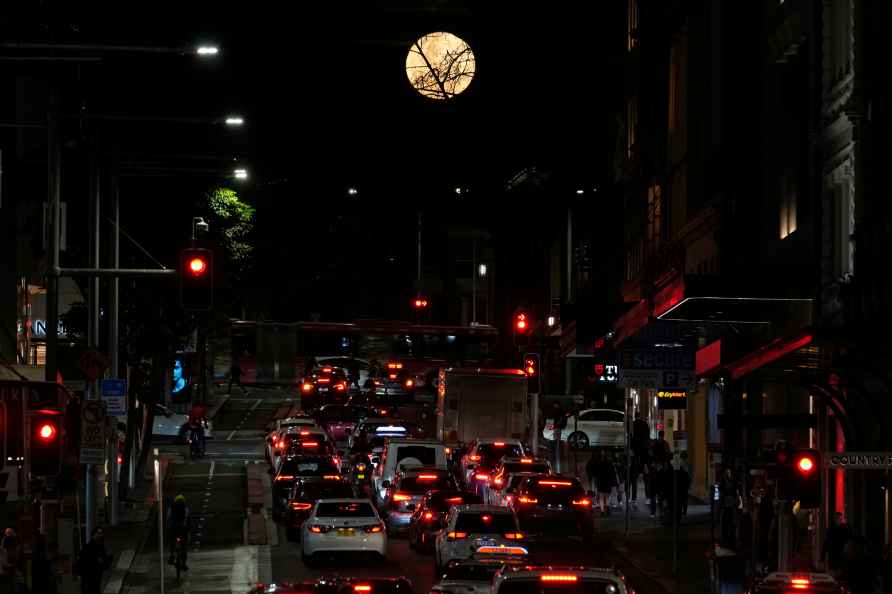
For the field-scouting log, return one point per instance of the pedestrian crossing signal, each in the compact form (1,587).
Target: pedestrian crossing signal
(531,368)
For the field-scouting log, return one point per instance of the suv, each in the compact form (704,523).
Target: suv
(600,427)
(553,501)
(482,456)
(507,467)
(400,454)
(559,580)
(294,468)
(409,486)
(471,527)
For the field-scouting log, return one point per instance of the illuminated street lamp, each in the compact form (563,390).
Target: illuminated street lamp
(481,270)
(234,120)
(240,174)
(352,191)
(207,50)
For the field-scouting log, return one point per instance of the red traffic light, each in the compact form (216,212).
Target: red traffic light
(805,464)
(419,303)
(520,322)
(530,366)
(197,265)
(47,432)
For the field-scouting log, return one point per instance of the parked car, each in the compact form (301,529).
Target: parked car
(593,427)
(343,526)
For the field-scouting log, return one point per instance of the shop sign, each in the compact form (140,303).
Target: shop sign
(860,460)
(607,373)
(672,399)
(657,359)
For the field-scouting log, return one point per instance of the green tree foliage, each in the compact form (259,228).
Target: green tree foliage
(231,222)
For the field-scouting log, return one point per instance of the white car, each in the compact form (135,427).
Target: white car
(343,526)
(600,427)
(171,424)
(546,579)
(469,528)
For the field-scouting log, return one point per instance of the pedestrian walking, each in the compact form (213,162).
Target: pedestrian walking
(605,477)
(729,495)
(661,450)
(11,561)
(92,563)
(838,534)
(235,377)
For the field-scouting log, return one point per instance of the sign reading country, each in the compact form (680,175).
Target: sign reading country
(672,399)
(860,460)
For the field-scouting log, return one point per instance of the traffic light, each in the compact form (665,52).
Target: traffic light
(420,303)
(196,279)
(45,443)
(531,368)
(798,473)
(522,326)
(807,478)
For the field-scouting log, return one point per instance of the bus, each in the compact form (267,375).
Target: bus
(280,353)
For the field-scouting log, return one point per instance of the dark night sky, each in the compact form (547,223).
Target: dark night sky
(328,106)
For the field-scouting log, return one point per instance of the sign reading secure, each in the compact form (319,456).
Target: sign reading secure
(860,460)
(672,399)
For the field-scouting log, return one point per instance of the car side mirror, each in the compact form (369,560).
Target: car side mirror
(385,485)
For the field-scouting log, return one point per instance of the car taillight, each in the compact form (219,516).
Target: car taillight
(497,481)
(514,535)
(528,500)
(362,588)
(304,432)
(499,444)
(280,444)
(340,387)
(300,505)
(284,477)
(558,577)
(307,387)
(800,583)
(427,477)
(584,502)
(409,383)
(474,458)
(309,444)
(481,476)
(556,483)
(428,516)
(374,528)
(331,477)
(526,460)
(456,535)
(401,497)
(324,380)
(319,528)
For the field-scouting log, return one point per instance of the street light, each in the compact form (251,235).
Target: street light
(580,192)
(235,120)
(352,191)
(207,50)
(240,174)
(481,270)
(458,191)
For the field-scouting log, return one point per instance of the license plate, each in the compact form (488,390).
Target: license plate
(323,389)
(486,542)
(346,532)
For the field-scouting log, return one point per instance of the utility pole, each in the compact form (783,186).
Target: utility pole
(474,283)
(113,331)
(93,317)
(54,185)
(419,250)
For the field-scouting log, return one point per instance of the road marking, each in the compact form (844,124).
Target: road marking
(247,414)
(211,473)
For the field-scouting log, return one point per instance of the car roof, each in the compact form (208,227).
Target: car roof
(585,572)
(346,500)
(492,440)
(520,460)
(414,441)
(481,508)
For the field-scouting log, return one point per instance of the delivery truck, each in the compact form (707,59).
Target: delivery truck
(476,402)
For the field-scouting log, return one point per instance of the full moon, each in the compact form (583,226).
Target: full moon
(440,65)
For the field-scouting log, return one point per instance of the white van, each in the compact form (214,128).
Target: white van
(400,454)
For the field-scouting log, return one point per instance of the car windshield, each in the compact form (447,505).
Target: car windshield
(476,573)
(485,523)
(552,490)
(537,467)
(425,454)
(345,509)
(538,585)
(298,466)
(447,499)
(492,452)
(423,484)
(315,490)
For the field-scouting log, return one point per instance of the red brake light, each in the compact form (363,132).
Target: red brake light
(526,460)
(300,505)
(326,370)
(401,497)
(307,387)
(499,444)
(409,383)
(456,535)
(486,518)
(800,583)
(556,483)
(428,516)
(455,500)
(284,477)
(362,588)
(427,477)
(558,577)
(481,477)
(514,535)
(474,458)
(331,477)
(524,499)
(391,376)
(309,444)
(324,380)
(582,502)
(304,432)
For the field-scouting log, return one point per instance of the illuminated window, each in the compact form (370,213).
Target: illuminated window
(633,25)
(631,125)
(788,206)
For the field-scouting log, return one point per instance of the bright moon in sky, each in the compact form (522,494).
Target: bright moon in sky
(440,65)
